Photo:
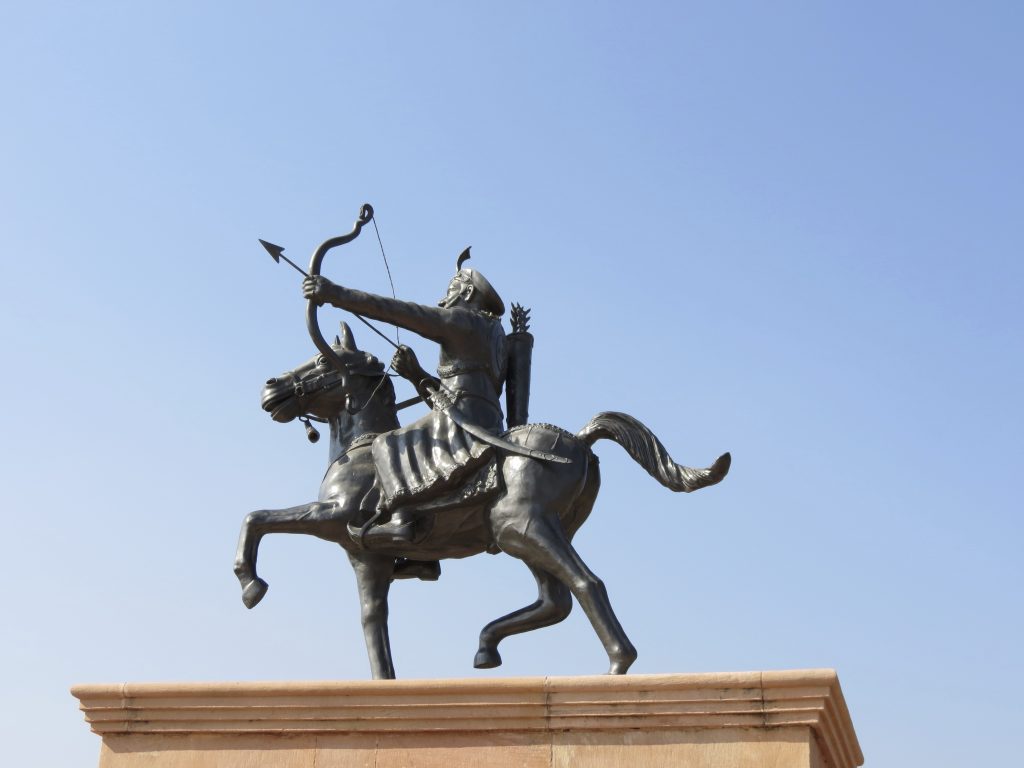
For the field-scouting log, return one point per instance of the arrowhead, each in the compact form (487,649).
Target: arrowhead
(275,251)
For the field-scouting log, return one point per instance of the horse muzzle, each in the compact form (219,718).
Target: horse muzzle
(276,397)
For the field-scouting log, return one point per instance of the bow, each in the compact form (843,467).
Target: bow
(365,215)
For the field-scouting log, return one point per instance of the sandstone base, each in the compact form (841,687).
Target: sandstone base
(794,719)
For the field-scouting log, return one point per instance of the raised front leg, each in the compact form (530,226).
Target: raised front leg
(553,604)
(373,579)
(306,518)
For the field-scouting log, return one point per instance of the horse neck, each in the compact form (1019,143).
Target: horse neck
(374,418)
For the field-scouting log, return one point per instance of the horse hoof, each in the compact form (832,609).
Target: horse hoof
(622,662)
(487,659)
(254,591)
(620,667)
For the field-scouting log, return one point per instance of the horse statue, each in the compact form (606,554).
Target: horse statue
(531,512)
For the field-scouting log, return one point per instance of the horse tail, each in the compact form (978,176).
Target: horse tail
(647,451)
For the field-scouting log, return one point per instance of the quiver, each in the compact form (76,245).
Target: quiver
(520,360)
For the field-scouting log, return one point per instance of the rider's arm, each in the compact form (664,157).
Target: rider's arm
(408,367)
(433,323)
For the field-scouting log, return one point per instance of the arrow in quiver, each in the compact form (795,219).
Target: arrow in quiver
(520,360)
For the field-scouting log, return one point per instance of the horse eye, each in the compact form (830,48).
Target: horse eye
(321,361)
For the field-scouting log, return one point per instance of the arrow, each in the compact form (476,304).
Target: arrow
(277,253)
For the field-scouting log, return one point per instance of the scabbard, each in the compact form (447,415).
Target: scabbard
(505,445)
(444,400)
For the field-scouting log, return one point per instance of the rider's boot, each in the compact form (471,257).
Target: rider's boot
(424,570)
(396,531)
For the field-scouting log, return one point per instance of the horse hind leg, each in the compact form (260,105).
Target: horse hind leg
(306,518)
(543,545)
(553,604)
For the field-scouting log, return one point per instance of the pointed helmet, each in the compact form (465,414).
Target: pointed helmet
(490,301)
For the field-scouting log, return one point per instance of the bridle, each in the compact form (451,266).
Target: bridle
(311,385)
(314,384)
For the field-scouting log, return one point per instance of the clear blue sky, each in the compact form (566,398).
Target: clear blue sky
(790,230)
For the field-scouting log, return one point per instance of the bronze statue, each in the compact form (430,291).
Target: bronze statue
(436,453)
(453,483)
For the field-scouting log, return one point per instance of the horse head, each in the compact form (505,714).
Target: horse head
(317,388)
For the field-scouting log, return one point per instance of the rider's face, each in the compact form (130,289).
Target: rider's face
(454,295)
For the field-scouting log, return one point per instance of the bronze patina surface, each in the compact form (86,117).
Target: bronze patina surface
(455,482)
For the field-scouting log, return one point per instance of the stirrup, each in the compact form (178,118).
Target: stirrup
(424,570)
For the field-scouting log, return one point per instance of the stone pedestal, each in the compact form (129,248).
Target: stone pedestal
(734,720)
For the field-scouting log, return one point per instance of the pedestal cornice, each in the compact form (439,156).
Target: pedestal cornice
(806,699)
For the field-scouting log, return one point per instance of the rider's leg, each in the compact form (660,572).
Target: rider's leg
(398,530)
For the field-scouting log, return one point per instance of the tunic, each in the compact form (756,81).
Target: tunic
(433,454)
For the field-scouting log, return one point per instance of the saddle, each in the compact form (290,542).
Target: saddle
(438,511)
(445,514)
(479,487)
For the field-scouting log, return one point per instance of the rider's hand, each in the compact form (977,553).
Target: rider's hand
(317,288)
(406,364)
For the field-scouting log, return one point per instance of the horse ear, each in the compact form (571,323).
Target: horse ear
(346,341)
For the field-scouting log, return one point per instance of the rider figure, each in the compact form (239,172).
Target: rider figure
(435,454)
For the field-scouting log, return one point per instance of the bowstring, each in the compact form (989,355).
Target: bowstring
(394,295)
(388,268)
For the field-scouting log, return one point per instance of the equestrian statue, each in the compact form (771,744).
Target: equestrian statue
(455,482)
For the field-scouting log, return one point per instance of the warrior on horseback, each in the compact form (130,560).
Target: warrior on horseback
(453,483)
(434,455)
